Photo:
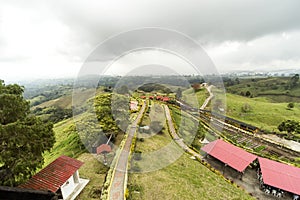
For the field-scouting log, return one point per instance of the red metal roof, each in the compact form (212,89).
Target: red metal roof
(166,99)
(53,176)
(280,175)
(229,154)
(103,148)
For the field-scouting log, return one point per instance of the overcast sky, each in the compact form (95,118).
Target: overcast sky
(40,39)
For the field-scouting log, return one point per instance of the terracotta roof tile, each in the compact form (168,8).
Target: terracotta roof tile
(53,176)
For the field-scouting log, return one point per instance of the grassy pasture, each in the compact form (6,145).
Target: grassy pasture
(263,113)
(183,179)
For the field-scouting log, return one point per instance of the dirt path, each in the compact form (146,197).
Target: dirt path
(175,136)
(119,180)
(211,95)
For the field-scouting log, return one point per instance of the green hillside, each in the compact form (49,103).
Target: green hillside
(276,89)
(65,101)
(196,99)
(262,112)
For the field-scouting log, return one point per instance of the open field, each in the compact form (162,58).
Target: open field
(184,179)
(263,113)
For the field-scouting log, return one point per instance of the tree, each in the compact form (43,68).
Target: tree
(200,135)
(246,108)
(200,131)
(290,126)
(291,105)
(122,90)
(178,93)
(248,93)
(112,111)
(294,81)
(24,138)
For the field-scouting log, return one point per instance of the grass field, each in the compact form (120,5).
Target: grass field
(183,179)
(95,171)
(195,99)
(263,113)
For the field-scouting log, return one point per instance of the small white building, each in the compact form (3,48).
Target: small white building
(61,177)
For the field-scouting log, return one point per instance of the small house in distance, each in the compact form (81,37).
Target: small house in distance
(61,177)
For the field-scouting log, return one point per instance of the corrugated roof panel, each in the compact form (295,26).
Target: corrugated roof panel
(53,176)
(280,175)
(229,154)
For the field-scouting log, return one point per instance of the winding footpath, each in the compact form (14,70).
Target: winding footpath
(207,100)
(119,179)
(175,136)
(172,130)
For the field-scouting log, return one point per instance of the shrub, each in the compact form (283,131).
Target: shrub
(95,192)
(138,155)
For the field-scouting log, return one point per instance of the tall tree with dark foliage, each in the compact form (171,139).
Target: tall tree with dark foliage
(23,137)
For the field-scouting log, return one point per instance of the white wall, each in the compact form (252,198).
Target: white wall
(68,187)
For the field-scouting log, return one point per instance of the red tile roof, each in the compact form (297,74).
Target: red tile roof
(165,99)
(103,148)
(280,175)
(53,176)
(229,154)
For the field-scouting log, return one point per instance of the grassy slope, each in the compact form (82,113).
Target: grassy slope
(264,114)
(275,88)
(183,179)
(196,99)
(66,101)
(64,144)
(95,171)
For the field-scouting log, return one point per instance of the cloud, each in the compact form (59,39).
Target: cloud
(211,20)
(269,52)
(66,31)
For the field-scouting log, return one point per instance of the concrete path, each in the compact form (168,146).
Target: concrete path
(119,180)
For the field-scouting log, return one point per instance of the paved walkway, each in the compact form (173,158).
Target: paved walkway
(119,181)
